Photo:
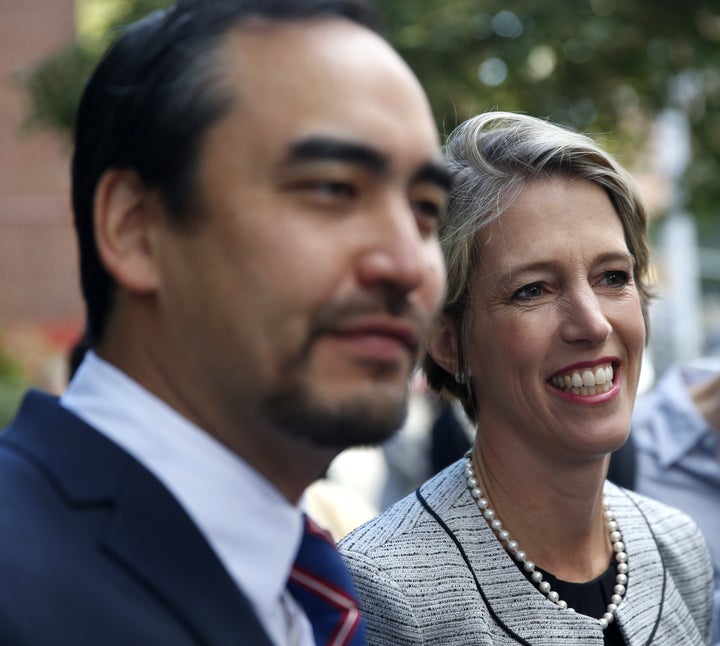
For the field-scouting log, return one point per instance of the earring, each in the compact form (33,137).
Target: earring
(460,377)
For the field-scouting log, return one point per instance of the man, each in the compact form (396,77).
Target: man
(256,188)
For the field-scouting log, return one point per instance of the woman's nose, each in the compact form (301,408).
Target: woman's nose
(585,321)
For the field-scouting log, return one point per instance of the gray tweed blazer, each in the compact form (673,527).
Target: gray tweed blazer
(428,572)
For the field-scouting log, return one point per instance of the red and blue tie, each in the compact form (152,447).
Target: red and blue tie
(321,583)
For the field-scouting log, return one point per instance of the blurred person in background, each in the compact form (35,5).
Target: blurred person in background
(676,431)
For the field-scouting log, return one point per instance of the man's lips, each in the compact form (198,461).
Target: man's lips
(380,338)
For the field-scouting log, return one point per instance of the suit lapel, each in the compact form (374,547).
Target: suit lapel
(515,604)
(149,534)
(154,539)
(640,613)
(645,568)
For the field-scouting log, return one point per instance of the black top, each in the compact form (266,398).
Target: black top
(591,598)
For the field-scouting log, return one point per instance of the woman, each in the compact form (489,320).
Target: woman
(541,340)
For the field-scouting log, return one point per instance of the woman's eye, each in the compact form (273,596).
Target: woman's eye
(616,278)
(529,292)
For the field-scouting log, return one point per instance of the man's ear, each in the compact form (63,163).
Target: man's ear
(443,344)
(125,215)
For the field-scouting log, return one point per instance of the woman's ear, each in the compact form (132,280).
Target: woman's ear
(125,215)
(443,344)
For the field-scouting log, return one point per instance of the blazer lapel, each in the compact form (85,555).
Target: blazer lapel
(516,605)
(154,539)
(149,533)
(652,593)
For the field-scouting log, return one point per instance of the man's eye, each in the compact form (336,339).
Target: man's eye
(528,292)
(342,190)
(616,278)
(429,209)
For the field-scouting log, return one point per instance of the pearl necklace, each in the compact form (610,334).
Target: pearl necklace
(535,575)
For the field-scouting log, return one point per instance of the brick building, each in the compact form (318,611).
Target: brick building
(40,305)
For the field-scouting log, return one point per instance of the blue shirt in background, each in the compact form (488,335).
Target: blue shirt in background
(678,457)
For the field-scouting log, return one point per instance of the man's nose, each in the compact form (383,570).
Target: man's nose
(397,252)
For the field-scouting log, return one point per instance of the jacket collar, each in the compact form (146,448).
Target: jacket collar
(496,574)
(669,411)
(148,533)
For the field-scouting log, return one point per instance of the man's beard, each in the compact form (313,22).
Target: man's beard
(363,418)
(358,421)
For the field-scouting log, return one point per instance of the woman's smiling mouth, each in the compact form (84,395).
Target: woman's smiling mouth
(585,381)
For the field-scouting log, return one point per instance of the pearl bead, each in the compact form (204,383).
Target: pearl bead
(528,566)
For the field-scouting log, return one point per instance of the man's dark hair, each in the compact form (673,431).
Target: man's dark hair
(149,102)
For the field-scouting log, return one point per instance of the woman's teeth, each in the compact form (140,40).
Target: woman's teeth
(586,382)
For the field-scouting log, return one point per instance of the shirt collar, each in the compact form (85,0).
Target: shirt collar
(251,527)
(679,426)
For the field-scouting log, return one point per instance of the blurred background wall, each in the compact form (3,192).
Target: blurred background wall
(40,307)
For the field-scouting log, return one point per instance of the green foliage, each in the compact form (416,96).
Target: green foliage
(605,67)
(55,86)
(13,383)
(56,83)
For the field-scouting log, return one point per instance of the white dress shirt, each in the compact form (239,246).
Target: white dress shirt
(255,536)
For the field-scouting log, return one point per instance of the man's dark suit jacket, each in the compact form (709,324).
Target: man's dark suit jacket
(95,551)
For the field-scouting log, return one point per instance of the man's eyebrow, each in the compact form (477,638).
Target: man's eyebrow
(435,173)
(330,149)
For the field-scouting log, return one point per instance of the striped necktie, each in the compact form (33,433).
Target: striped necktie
(320,582)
